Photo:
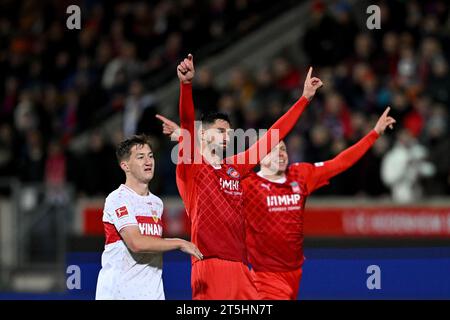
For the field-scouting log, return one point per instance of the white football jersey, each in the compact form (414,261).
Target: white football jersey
(124,274)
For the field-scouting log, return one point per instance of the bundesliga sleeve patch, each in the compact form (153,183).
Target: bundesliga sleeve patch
(318,164)
(121,212)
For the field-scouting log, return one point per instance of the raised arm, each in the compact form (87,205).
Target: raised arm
(186,72)
(279,130)
(324,171)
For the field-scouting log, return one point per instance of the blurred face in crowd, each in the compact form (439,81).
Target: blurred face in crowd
(440,68)
(390,42)
(277,160)
(136,88)
(205,77)
(141,164)
(319,136)
(405,138)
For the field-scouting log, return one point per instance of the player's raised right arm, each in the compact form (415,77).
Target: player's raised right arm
(186,72)
(138,243)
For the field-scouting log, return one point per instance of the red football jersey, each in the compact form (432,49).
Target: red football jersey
(274,218)
(274,211)
(213,200)
(214,197)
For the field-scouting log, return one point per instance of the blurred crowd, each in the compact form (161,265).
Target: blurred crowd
(403,65)
(57,84)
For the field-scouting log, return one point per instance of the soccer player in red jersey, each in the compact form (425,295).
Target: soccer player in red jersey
(274,202)
(212,193)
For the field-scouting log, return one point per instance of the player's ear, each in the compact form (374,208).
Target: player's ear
(124,166)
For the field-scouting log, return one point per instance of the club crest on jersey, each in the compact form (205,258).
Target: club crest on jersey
(121,212)
(155,216)
(295,187)
(233,173)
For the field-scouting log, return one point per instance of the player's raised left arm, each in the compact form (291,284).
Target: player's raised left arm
(348,157)
(281,127)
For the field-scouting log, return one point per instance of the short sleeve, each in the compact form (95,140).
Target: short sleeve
(118,214)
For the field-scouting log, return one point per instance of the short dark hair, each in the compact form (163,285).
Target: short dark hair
(211,117)
(123,150)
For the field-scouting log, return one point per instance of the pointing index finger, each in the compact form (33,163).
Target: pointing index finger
(160,117)
(308,76)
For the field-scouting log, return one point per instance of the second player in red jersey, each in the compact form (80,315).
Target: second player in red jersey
(274,202)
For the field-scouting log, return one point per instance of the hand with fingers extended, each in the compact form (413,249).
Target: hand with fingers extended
(384,121)
(185,69)
(190,248)
(311,85)
(170,128)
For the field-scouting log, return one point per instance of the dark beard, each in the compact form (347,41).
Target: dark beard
(219,151)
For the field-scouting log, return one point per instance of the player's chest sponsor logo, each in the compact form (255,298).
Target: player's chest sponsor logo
(150,226)
(121,212)
(230,185)
(284,200)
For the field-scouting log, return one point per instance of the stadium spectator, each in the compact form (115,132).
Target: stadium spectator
(403,166)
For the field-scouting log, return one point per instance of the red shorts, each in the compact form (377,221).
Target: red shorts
(277,285)
(217,279)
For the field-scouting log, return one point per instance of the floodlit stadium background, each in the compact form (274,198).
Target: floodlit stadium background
(68,96)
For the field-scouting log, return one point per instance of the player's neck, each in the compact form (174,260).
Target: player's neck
(138,187)
(271,175)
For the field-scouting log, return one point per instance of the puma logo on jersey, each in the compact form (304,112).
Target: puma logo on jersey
(150,229)
(232,185)
(265,186)
(284,200)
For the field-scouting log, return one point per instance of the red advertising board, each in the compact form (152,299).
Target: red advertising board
(378,222)
(341,222)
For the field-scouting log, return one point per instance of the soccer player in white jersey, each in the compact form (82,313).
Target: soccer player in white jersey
(132,259)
